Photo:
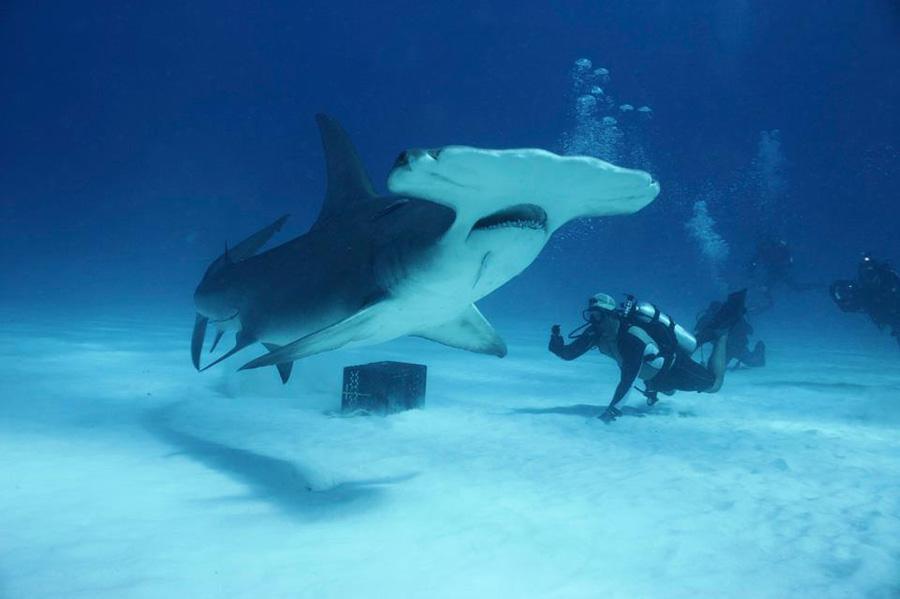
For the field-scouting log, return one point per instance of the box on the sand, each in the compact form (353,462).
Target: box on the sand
(383,387)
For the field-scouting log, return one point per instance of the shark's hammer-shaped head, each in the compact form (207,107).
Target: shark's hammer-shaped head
(509,202)
(526,189)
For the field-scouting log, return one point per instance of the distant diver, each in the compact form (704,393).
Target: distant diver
(876,292)
(773,261)
(738,346)
(650,345)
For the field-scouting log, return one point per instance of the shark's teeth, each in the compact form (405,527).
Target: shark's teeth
(516,224)
(522,216)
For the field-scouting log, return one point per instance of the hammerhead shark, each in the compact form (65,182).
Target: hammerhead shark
(458,224)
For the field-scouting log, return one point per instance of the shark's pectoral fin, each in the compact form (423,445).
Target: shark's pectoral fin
(241,341)
(331,337)
(284,368)
(197,338)
(469,331)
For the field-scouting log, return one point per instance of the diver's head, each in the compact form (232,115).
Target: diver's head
(601,313)
(602,301)
(846,295)
(869,272)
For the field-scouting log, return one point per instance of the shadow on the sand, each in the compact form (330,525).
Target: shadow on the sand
(836,386)
(583,410)
(590,411)
(276,481)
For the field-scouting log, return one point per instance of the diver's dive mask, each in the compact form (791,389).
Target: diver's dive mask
(600,307)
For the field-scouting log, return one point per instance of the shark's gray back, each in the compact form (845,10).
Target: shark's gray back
(340,266)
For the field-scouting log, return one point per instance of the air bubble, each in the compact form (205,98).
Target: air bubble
(583,64)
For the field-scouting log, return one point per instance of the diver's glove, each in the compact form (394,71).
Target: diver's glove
(556,341)
(610,414)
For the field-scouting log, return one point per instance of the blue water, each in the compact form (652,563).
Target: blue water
(137,139)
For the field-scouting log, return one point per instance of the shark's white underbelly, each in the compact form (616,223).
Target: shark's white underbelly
(418,304)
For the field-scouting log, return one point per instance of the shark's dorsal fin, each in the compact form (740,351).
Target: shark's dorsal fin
(247,248)
(470,331)
(347,178)
(251,245)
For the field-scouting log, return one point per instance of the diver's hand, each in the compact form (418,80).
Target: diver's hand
(554,330)
(610,414)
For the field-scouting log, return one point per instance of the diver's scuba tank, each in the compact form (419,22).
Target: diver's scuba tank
(649,317)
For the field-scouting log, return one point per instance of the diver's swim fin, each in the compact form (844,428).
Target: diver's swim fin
(757,357)
(732,310)
(728,315)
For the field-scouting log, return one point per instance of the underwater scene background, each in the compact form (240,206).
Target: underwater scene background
(137,139)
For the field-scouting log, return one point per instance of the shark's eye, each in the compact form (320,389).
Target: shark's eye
(434,153)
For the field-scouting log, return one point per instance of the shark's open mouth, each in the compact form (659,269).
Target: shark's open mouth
(521,216)
(228,318)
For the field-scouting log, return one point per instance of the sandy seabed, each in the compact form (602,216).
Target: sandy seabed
(125,473)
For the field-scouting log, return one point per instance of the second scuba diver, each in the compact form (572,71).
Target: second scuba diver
(738,346)
(649,345)
(876,292)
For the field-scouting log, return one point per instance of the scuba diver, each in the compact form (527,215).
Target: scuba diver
(876,291)
(738,346)
(773,260)
(649,345)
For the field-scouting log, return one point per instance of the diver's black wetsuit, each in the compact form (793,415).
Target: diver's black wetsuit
(774,260)
(876,291)
(639,355)
(774,257)
(629,347)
